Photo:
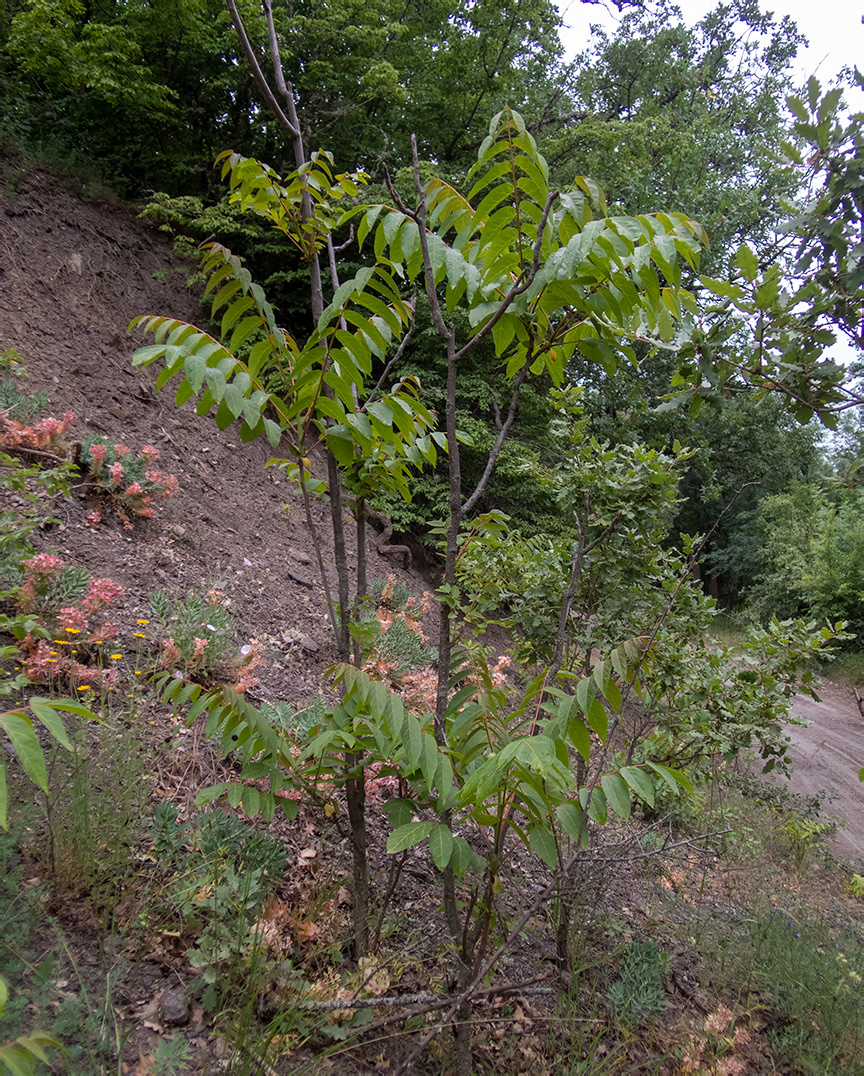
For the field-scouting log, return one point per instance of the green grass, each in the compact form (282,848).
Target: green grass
(847,668)
(729,628)
(804,978)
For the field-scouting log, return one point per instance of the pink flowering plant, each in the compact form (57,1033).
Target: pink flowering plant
(396,651)
(19,426)
(46,435)
(67,606)
(197,640)
(130,481)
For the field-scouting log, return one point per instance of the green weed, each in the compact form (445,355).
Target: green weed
(215,874)
(637,995)
(94,808)
(804,976)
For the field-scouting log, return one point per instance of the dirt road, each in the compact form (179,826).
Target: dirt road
(828,755)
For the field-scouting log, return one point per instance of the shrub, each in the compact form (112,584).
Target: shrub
(638,995)
(128,481)
(13,403)
(66,603)
(394,644)
(197,640)
(222,871)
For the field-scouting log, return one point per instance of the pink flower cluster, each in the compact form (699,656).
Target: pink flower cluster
(41,662)
(39,569)
(100,593)
(164,485)
(418,687)
(251,658)
(69,622)
(171,656)
(130,488)
(380,788)
(45,435)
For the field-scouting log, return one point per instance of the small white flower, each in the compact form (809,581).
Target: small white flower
(210,627)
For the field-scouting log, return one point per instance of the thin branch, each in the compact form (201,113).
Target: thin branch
(313,531)
(394,194)
(257,73)
(347,243)
(445,331)
(397,355)
(282,86)
(430,1002)
(499,441)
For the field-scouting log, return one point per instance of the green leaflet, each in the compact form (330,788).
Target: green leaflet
(617,794)
(441,845)
(408,835)
(398,812)
(639,782)
(542,844)
(572,821)
(463,858)
(20,731)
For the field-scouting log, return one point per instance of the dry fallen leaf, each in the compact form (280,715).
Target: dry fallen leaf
(146,1066)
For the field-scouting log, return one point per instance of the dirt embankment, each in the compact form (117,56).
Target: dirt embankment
(72,276)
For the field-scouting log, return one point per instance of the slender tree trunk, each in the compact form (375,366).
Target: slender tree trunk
(290,122)
(362,584)
(355,795)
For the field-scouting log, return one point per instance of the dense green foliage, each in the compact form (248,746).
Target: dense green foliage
(811,554)
(688,117)
(499,325)
(149,93)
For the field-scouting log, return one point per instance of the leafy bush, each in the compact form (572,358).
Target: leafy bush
(392,634)
(32,489)
(803,834)
(856,885)
(46,435)
(296,719)
(719,701)
(812,556)
(221,871)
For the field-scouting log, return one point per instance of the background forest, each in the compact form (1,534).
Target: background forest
(558,342)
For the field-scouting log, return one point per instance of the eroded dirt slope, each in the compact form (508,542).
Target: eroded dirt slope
(72,276)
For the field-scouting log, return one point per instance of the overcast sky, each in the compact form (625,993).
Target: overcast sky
(832,27)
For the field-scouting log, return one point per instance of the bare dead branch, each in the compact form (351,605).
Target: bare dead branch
(499,441)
